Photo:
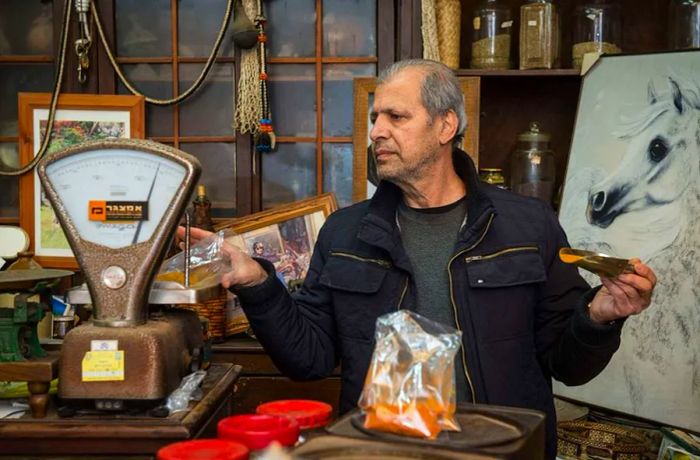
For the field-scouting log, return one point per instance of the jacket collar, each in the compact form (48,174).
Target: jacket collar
(378,226)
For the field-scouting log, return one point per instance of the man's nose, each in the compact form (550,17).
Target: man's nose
(378,130)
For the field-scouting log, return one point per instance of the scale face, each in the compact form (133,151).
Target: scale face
(116,198)
(119,202)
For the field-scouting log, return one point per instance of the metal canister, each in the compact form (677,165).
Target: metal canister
(493,176)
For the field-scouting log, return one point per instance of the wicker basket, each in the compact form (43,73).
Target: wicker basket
(589,440)
(213,310)
(449,20)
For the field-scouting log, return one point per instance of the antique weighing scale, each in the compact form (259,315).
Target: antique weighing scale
(119,203)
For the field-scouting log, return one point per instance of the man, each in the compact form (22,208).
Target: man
(435,240)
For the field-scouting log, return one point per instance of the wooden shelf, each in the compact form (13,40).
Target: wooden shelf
(517,73)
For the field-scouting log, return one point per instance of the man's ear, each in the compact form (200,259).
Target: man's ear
(448,129)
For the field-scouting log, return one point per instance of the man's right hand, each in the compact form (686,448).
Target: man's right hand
(245,272)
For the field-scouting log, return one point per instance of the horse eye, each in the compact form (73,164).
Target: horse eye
(658,149)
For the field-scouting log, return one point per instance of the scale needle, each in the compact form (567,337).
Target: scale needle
(148,200)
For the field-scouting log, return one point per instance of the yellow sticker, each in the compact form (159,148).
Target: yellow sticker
(103,366)
(477,23)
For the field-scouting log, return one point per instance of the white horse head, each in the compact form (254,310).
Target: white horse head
(661,163)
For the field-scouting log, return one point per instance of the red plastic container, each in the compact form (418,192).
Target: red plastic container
(258,431)
(204,449)
(308,413)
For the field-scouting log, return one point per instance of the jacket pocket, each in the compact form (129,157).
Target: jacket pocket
(505,268)
(356,287)
(350,272)
(504,290)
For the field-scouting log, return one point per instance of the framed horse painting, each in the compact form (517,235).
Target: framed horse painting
(632,189)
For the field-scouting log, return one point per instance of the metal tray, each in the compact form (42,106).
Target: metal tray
(479,429)
(162,293)
(340,448)
(22,280)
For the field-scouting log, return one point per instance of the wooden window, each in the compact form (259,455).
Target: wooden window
(26,64)
(316,48)
(162,46)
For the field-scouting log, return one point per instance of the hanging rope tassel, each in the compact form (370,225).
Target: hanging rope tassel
(265,139)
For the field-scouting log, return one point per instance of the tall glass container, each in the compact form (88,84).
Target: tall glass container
(597,29)
(492,24)
(533,167)
(539,35)
(684,24)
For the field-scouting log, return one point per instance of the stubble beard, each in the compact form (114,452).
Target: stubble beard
(404,173)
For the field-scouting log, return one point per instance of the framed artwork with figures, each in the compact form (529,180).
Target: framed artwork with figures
(284,236)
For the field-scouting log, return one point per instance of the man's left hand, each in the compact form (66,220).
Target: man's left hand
(628,294)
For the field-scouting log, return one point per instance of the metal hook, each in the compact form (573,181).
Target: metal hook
(82,76)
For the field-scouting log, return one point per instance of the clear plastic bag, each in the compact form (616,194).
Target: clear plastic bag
(410,384)
(208,262)
(189,389)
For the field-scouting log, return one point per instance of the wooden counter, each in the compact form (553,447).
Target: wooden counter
(123,435)
(261,381)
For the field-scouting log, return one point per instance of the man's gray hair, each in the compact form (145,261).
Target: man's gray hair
(440,90)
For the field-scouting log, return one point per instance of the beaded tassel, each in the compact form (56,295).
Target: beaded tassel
(265,137)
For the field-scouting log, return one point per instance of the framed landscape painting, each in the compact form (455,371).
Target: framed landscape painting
(79,117)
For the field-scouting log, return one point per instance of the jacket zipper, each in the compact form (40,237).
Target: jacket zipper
(382,262)
(500,253)
(403,294)
(454,305)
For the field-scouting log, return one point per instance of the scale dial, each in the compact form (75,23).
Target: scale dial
(116,179)
(119,202)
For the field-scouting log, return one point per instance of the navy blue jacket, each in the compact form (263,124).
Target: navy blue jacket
(522,311)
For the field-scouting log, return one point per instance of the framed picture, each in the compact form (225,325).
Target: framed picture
(632,189)
(363,169)
(79,117)
(285,236)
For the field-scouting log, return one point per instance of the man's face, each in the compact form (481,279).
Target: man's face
(405,137)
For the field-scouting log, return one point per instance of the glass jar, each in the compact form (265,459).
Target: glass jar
(539,35)
(684,24)
(597,29)
(493,176)
(533,167)
(492,23)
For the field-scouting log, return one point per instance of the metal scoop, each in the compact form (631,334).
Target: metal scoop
(596,262)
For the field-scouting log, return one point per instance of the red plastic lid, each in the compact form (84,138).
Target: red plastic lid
(258,431)
(309,413)
(204,449)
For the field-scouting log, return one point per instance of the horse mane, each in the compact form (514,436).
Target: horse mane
(631,126)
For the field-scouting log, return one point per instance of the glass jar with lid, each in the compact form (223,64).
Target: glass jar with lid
(492,23)
(533,167)
(539,35)
(684,24)
(597,29)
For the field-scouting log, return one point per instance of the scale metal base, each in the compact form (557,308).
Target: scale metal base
(157,355)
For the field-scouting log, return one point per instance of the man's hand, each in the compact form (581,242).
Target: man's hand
(246,271)
(628,294)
